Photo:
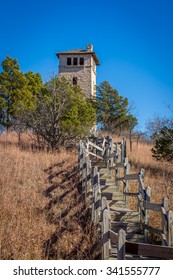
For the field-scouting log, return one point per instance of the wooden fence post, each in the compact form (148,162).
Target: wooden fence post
(130,139)
(122,150)
(84,172)
(118,159)
(165,203)
(96,207)
(111,151)
(126,182)
(121,245)
(105,235)
(146,222)
(80,157)
(82,165)
(170,228)
(142,193)
(94,183)
(119,151)
(96,143)
(125,148)
(103,147)
(103,206)
(88,182)
(106,150)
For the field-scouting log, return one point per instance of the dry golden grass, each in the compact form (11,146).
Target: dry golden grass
(158,176)
(42,213)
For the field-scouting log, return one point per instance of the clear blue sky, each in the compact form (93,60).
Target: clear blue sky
(133,40)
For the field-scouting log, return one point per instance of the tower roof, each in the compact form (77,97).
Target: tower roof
(89,50)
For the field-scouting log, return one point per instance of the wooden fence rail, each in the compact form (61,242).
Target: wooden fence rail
(113,156)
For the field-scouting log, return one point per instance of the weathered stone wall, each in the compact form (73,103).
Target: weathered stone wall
(86,74)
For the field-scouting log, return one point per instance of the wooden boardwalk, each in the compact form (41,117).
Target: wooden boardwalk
(105,179)
(121,216)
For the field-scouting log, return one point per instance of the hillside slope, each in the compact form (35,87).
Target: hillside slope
(42,213)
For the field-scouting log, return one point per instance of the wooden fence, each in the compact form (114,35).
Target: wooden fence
(92,154)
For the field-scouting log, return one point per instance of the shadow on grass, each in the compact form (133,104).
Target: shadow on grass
(75,236)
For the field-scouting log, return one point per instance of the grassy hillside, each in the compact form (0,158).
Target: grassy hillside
(42,213)
(158,176)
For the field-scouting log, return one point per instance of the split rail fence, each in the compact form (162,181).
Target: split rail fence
(95,153)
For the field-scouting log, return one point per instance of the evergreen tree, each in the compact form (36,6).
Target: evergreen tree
(16,91)
(112,109)
(163,147)
(34,82)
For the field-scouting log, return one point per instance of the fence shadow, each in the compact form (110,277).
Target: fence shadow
(74,236)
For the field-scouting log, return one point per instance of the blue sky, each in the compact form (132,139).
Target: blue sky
(133,40)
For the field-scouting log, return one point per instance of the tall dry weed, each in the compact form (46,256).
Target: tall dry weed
(158,176)
(42,213)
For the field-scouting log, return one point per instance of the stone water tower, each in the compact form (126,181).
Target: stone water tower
(79,67)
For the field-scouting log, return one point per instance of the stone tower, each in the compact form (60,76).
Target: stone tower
(79,67)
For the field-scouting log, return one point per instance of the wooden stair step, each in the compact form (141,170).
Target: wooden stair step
(113,255)
(107,182)
(110,189)
(113,251)
(119,219)
(110,181)
(123,216)
(116,204)
(113,196)
(128,227)
(123,210)
(99,164)
(135,237)
(105,176)
(119,206)
(104,171)
(104,182)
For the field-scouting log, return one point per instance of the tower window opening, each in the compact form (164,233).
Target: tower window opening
(74,81)
(81,61)
(75,61)
(68,60)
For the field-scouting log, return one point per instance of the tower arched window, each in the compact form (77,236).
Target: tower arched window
(75,81)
